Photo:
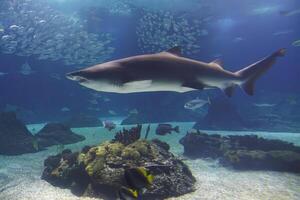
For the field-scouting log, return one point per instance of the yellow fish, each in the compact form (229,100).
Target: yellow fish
(128,193)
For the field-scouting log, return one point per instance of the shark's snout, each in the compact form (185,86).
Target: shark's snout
(76,76)
(70,76)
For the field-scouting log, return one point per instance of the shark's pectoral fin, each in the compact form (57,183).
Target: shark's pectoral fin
(138,84)
(229,90)
(194,84)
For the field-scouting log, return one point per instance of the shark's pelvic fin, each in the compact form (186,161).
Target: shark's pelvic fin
(248,87)
(175,51)
(229,90)
(251,73)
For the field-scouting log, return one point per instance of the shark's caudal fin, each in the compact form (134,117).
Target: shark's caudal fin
(176,129)
(251,73)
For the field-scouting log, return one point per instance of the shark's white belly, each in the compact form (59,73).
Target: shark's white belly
(137,86)
(221,83)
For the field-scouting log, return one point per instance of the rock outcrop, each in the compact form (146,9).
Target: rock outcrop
(248,152)
(222,115)
(16,139)
(14,136)
(55,133)
(99,171)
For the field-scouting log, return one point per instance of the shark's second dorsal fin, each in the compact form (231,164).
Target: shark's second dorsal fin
(175,51)
(217,63)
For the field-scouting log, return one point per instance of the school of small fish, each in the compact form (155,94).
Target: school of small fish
(161,30)
(33,28)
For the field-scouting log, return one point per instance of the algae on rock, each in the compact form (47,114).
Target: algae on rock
(102,168)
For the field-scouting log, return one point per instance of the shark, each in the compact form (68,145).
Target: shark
(170,71)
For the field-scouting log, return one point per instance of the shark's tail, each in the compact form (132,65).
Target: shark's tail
(176,129)
(251,73)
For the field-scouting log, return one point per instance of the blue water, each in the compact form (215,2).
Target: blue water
(42,40)
(239,33)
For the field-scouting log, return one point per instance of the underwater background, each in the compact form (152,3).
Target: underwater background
(42,40)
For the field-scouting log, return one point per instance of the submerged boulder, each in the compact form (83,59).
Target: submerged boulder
(288,161)
(248,152)
(99,171)
(202,145)
(81,120)
(55,133)
(14,136)
(221,115)
(16,139)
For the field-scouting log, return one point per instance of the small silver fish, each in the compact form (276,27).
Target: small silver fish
(196,104)
(290,13)
(109,125)
(284,32)
(264,105)
(111,112)
(65,109)
(93,101)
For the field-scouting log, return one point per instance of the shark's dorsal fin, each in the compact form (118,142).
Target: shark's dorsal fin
(175,51)
(217,63)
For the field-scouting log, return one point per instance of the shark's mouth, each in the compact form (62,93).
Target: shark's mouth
(74,77)
(81,79)
(70,76)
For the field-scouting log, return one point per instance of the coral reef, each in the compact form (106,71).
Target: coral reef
(128,136)
(99,171)
(14,136)
(55,133)
(81,120)
(62,170)
(243,152)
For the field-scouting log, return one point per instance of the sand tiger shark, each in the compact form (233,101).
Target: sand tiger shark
(169,71)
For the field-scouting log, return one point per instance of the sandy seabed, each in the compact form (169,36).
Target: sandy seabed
(20,175)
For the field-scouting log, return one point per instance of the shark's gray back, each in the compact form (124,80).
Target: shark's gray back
(163,65)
